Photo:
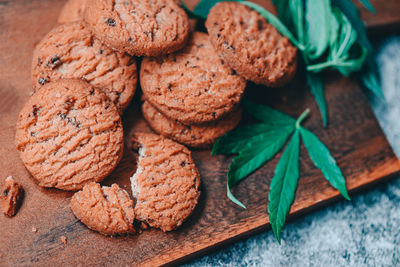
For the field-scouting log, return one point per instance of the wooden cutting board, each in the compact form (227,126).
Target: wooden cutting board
(354,138)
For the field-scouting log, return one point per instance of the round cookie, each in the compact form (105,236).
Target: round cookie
(71,51)
(250,45)
(166,182)
(107,210)
(69,133)
(140,28)
(193,85)
(196,136)
(73,10)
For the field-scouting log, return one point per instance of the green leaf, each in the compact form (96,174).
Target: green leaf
(367,4)
(233,142)
(317,89)
(253,156)
(283,185)
(296,8)
(283,11)
(370,80)
(203,7)
(318,18)
(324,161)
(266,114)
(274,21)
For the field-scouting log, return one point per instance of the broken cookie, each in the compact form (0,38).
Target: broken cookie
(12,194)
(166,183)
(108,210)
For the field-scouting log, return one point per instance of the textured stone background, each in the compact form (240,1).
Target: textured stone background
(362,232)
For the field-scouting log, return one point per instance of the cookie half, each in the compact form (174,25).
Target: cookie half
(166,183)
(73,10)
(193,85)
(69,133)
(108,210)
(71,51)
(196,136)
(250,45)
(140,28)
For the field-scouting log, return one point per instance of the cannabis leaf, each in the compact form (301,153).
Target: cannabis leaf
(256,144)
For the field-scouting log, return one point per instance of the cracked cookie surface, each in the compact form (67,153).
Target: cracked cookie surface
(73,10)
(250,45)
(166,183)
(196,136)
(71,51)
(108,210)
(193,85)
(140,28)
(69,133)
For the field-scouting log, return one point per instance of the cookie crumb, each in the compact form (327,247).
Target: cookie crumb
(34,229)
(11,196)
(64,240)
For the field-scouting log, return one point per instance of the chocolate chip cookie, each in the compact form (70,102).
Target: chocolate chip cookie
(69,133)
(196,136)
(250,45)
(140,28)
(107,210)
(166,183)
(193,85)
(71,51)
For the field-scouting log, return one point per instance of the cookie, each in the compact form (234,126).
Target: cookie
(11,196)
(73,10)
(140,28)
(108,210)
(69,133)
(196,136)
(193,85)
(166,182)
(71,51)
(250,45)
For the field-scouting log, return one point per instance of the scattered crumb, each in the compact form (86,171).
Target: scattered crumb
(64,240)
(11,196)
(34,229)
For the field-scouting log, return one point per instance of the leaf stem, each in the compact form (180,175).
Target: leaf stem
(302,117)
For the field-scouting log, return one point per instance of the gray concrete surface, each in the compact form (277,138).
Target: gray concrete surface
(362,232)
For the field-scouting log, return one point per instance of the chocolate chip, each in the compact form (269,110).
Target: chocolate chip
(193,137)
(234,72)
(55,61)
(200,45)
(183,164)
(5,192)
(101,51)
(42,81)
(39,61)
(33,134)
(35,110)
(260,24)
(214,114)
(218,35)
(232,47)
(111,22)
(169,87)
(91,92)
(247,39)
(131,40)
(62,115)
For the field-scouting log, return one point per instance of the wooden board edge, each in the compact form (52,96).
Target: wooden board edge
(256,224)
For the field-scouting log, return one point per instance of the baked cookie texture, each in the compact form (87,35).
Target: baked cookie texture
(140,28)
(250,45)
(71,51)
(166,183)
(196,136)
(107,210)
(11,196)
(193,85)
(69,133)
(73,10)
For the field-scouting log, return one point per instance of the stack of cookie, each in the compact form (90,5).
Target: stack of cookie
(84,75)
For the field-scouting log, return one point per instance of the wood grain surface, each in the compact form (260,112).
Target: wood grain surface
(354,138)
